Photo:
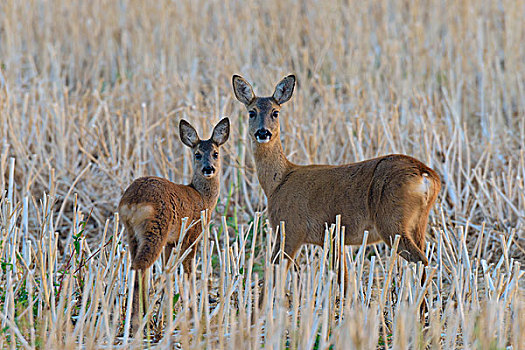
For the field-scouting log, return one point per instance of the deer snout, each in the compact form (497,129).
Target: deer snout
(263,135)
(208,171)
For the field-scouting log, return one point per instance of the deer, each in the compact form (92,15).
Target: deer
(386,196)
(152,208)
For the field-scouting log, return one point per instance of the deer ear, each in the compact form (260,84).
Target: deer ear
(188,135)
(284,90)
(221,132)
(242,89)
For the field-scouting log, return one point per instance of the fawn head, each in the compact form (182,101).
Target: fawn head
(206,158)
(263,111)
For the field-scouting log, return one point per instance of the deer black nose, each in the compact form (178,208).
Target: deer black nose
(208,170)
(263,135)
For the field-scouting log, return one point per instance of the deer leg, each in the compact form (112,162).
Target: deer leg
(132,240)
(410,251)
(139,305)
(341,272)
(152,237)
(290,249)
(411,245)
(190,238)
(167,252)
(187,263)
(289,253)
(133,246)
(276,253)
(388,227)
(419,237)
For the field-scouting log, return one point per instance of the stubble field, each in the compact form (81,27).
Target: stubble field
(91,93)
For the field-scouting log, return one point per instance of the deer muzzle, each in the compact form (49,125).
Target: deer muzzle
(208,171)
(263,136)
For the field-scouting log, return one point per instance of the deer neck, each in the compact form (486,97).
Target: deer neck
(272,165)
(208,189)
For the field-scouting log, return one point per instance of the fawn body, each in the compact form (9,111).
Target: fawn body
(388,195)
(152,208)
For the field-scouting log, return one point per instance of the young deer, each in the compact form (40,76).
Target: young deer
(152,207)
(388,196)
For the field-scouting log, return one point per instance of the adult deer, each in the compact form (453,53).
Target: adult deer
(388,196)
(152,208)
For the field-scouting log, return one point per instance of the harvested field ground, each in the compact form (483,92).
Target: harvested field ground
(91,93)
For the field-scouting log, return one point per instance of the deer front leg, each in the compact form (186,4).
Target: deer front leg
(290,249)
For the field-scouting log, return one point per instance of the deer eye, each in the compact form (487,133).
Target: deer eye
(275,114)
(198,156)
(252,114)
(215,155)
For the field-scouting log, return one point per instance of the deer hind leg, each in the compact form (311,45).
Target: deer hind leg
(132,240)
(145,245)
(390,226)
(151,239)
(411,245)
(421,228)
(139,305)
(410,251)
(419,237)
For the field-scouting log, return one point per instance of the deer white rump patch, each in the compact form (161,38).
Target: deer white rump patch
(136,213)
(424,186)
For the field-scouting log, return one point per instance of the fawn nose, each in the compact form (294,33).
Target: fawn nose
(208,170)
(263,135)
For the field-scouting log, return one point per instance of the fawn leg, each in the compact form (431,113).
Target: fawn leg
(139,305)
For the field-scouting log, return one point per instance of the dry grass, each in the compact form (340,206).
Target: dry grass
(90,96)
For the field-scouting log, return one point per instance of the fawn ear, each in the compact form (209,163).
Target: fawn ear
(242,89)
(188,135)
(284,90)
(221,132)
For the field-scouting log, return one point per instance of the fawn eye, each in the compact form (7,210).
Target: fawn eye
(198,156)
(252,114)
(215,155)
(275,114)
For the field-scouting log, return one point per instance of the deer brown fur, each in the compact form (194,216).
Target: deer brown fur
(388,196)
(152,208)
